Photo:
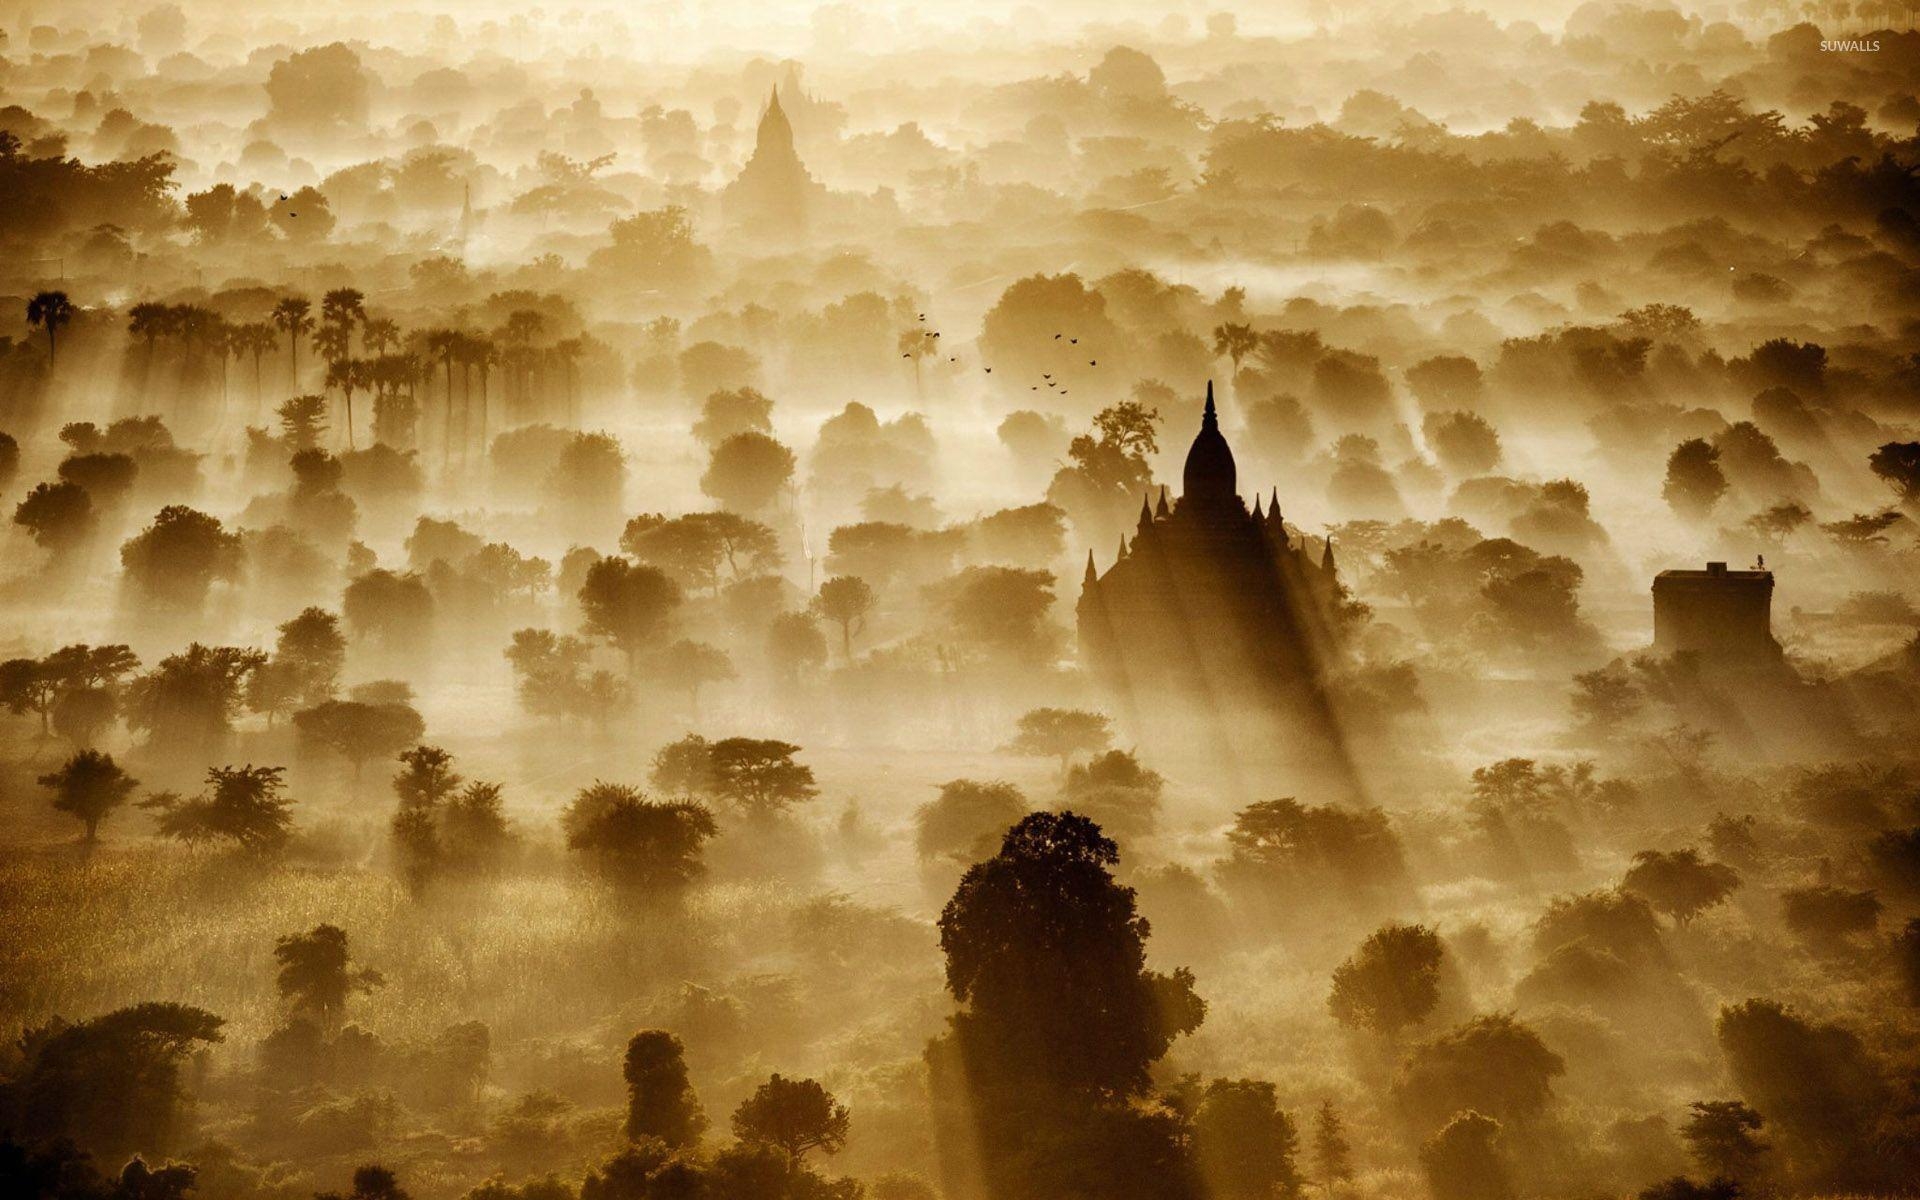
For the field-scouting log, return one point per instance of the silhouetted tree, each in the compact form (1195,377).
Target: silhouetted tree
(358,731)
(690,666)
(628,605)
(111,1084)
(1061,733)
(795,645)
(1493,1063)
(242,805)
(1815,1085)
(635,841)
(1391,982)
(1243,1144)
(845,600)
(748,472)
(660,1099)
(1463,1160)
(758,775)
(182,554)
(1898,465)
(797,1115)
(58,515)
(1679,883)
(316,975)
(89,786)
(50,311)
(188,701)
(1332,1156)
(1824,914)
(967,820)
(394,610)
(1721,1137)
(1695,482)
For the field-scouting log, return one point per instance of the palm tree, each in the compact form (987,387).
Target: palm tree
(523,325)
(1236,342)
(148,321)
(348,374)
(292,317)
(917,344)
(483,354)
(343,306)
(256,338)
(446,345)
(50,310)
(567,352)
(379,335)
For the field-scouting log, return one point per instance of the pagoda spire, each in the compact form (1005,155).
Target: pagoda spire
(1161,509)
(1092,576)
(1123,549)
(1209,419)
(1146,510)
(1257,516)
(1326,557)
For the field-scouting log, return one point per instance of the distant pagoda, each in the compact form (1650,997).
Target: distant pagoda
(773,195)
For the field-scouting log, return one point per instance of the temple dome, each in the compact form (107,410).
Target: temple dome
(1210,477)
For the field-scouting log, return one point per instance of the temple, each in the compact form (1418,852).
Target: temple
(1212,603)
(774,194)
(1724,617)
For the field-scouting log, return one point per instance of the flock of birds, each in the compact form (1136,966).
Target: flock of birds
(1045,376)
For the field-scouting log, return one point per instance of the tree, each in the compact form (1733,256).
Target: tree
(316,974)
(303,422)
(89,786)
(242,805)
(1679,883)
(999,611)
(690,666)
(1048,955)
(795,645)
(748,472)
(1898,465)
(1463,441)
(1243,1144)
(845,600)
(660,1099)
(1061,733)
(636,842)
(1235,342)
(359,731)
(627,604)
(1492,1063)
(111,1084)
(187,703)
(393,609)
(685,767)
(967,820)
(1463,1160)
(50,311)
(1778,522)
(1332,1157)
(178,557)
(312,647)
(759,776)
(1391,982)
(1824,915)
(797,1115)
(726,413)
(1720,1134)
(1815,1084)
(58,515)
(1694,482)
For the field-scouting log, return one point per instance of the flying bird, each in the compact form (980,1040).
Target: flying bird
(1093,362)
(1073,341)
(989,370)
(1056,337)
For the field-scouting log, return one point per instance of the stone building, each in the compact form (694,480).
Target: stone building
(774,195)
(1211,607)
(1724,617)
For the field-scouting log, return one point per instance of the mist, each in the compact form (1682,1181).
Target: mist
(959,602)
